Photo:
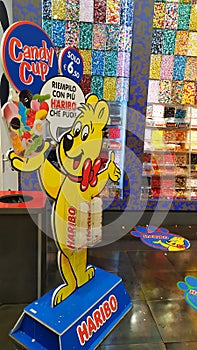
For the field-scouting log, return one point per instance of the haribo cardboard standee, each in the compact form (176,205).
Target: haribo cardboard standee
(74,188)
(73,185)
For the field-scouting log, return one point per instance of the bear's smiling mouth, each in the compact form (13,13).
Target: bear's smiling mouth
(76,160)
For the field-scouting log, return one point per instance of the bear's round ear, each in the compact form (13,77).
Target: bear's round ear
(91,99)
(101,113)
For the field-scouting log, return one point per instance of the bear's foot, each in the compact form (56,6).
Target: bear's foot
(85,276)
(61,293)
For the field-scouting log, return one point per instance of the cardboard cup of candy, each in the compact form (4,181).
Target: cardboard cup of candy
(25,116)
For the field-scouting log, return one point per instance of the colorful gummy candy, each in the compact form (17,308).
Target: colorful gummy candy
(177,91)
(188,93)
(157,41)
(72,33)
(153,91)
(72,10)
(191,69)
(155,66)
(47,26)
(97,86)
(25,119)
(100,8)
(193,18)
(159,14)
(184,16)
(87,60)
(113,32)
(111,63)
(85,84)
(98,62)
(126,13)
(99,36)
(123,64)
(167,64)
(58,32)
(113,11)
(180,113)
(125,39)
(122,89)
(169,42)
(181,42)
(179,67)
(47,9)
(110,88)
(85,37)
(192,47)
(169,112)
(59,9)
(86,13)
(171,15)
(165,91)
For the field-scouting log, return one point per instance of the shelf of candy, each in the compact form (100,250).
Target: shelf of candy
(162,116)
(114,140)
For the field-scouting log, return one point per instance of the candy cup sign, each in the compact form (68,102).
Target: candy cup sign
(65,98)
(29,59)
(28,55)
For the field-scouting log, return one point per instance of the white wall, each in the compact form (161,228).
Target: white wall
(8,177)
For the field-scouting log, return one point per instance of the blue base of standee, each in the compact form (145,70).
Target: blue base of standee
(81,321)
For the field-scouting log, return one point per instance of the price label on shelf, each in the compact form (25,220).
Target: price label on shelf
(71,64)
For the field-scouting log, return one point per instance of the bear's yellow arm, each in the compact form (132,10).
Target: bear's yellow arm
(51,179)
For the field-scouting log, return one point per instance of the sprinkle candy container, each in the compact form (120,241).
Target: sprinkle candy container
(25,115)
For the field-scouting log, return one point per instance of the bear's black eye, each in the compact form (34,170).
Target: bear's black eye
(85,133)
(77,129)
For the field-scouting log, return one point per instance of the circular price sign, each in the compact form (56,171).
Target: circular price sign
(71,64)
(28,55)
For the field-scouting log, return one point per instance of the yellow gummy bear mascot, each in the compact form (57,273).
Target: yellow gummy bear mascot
(74,188)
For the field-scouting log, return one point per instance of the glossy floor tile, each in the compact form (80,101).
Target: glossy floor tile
(9,315)
(160,318)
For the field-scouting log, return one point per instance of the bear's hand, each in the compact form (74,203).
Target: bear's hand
(113,170)
(27,164)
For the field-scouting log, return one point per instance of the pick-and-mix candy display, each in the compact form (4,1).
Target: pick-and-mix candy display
(174,52)
(102,32)
(170,161)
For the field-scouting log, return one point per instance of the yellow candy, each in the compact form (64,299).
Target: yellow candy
(17,144)
(110,88)
(87,60)
(155,66)
(41,114)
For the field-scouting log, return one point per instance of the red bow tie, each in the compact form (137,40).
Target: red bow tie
(89,173)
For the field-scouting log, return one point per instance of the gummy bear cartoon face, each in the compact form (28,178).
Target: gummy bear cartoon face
(176,242)
(85,138)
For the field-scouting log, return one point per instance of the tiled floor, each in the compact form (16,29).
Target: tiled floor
(160,318)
